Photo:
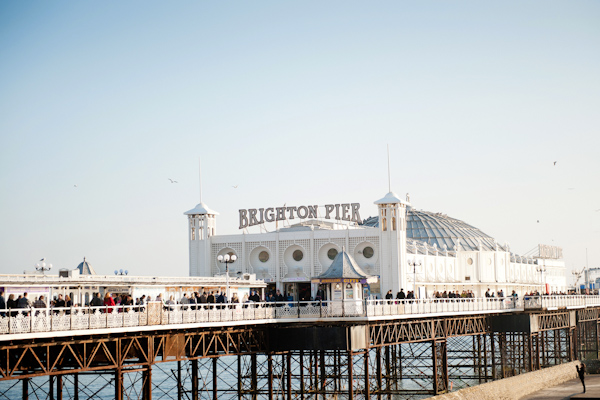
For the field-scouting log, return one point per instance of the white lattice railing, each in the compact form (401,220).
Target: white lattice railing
(155,313)
(546,302)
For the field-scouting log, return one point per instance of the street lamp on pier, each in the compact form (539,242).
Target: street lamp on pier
(542,269)
(577,277)
(227,259)
(414,264)
(42,266)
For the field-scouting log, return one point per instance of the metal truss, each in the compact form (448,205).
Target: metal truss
(557,320)
(402,359)
(57,357)
(587,314)
(408,331)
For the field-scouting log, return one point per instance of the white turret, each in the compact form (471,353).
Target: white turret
(392,223)
(202,225)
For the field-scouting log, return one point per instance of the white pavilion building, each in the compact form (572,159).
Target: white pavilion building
(405,248)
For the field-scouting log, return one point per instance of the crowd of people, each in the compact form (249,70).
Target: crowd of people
(410,295)
(15,304)
(211,299)
(206,299)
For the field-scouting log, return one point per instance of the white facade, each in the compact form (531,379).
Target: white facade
(81,288)
(287,258)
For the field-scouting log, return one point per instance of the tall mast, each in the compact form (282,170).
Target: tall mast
(200,177)
(389,181)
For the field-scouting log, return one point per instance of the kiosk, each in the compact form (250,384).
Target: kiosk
(344,279)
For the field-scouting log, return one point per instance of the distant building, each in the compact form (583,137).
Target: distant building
(82,282)
(406,248)
(591,278)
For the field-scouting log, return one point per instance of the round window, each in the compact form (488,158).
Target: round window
(263,256)
(368,252)
(297,255)
(470,261)
(332,253)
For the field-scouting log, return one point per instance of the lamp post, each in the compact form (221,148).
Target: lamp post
(577,277)
(414,264)
(227,259)
(542,270)
(42,266)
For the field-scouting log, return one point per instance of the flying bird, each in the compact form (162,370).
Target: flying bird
(554,162)
(74,185)
(43,258)
(172,181)
(235,187)
(538,221)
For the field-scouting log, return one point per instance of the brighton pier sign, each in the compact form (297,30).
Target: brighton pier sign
(254,216)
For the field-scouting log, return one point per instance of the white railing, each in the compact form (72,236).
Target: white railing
(428,306)
(33,320)
(546,302)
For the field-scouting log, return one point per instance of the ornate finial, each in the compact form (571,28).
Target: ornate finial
(407,197)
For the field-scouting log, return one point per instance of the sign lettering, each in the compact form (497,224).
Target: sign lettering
(343,212)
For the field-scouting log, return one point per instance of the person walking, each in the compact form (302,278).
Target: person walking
(11,303)
(109,303)
(39,303)
(2,304)
(24,302)
(581,373)
(96,301)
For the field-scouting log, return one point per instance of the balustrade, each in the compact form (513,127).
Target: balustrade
(34,320)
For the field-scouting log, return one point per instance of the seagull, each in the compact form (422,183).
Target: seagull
(74,185)
(235,187)
(538,221)
(172,181)
(43,258)
(554,162)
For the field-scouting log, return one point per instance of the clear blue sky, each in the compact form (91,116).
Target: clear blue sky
(293,102)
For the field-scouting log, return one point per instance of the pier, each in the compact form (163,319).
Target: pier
(306,350)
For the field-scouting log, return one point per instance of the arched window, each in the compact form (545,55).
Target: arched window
(384,224)
(393,223)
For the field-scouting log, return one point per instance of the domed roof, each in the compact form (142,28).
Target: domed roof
(445,231)
(85,268)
